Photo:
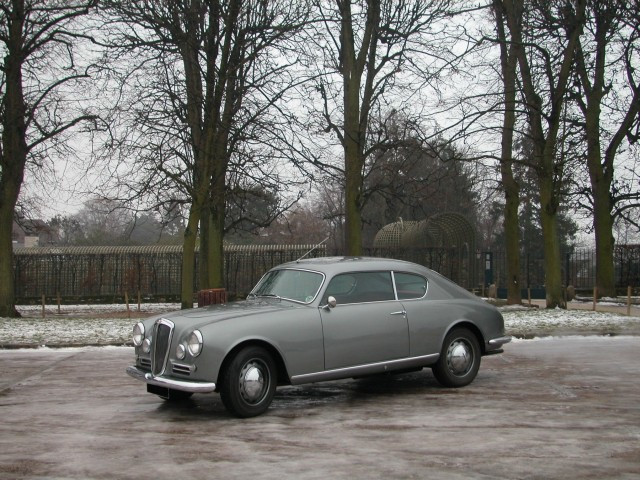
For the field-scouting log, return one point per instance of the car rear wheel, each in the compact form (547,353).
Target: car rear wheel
(459,359)
(249,382)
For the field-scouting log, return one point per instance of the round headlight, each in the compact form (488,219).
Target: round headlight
(146,345)
(194,343)
(181,352)
(138,334)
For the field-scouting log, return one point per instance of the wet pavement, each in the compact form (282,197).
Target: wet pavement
(555,408)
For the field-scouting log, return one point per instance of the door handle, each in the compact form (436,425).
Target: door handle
(402,312)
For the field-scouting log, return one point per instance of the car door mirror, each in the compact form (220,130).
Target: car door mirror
(331,302)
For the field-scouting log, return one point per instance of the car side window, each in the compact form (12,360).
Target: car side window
(361,287)
(409,285)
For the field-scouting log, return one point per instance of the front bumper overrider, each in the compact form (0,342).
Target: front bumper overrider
(185,386)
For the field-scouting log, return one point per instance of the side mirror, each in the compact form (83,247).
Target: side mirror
(331,303)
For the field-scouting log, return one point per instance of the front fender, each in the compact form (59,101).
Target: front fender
(295,335)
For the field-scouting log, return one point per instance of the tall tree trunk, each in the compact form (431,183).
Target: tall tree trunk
(216,246)
(509,62)
(550,238)
(13,156)
(215,242)
(205,228)
(601,169)
(352,161)
(512,233)
(545,142)
(212,243)
(356,112)
(601,177)
(603,226)
(7,287)
(189,257)
(353,212)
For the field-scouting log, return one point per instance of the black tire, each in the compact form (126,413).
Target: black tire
(249,382)
(459,359)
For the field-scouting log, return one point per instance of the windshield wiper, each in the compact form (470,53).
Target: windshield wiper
(270,295)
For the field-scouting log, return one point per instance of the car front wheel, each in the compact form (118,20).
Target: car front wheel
(459,359)
(249,382)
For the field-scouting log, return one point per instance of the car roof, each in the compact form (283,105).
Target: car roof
(333,265)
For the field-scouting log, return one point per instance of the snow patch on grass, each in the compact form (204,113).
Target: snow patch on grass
(540,322)
(109,325)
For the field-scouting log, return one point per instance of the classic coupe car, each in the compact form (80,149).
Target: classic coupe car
(318,319)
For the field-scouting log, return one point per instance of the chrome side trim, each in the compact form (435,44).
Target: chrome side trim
(368,369)
(183,385)
(496,342)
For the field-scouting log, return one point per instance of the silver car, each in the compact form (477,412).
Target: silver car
(314,320)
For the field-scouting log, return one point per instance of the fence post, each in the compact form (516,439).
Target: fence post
(629,300)
(43,304)
(595,297)
(126,300)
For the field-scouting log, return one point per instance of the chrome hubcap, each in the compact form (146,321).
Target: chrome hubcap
(254,381)
(459,357)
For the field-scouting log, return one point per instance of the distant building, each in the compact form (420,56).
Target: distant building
(32,233)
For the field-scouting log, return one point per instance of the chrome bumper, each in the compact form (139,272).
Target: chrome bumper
(498,342)
(185,386)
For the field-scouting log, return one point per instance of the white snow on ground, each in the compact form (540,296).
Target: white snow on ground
(65,331)
(78,324)
(33,310)
(530,322)
(94,324)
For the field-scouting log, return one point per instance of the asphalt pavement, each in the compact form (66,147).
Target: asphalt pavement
(554,408)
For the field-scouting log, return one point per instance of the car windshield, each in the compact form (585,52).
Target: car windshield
(297,285)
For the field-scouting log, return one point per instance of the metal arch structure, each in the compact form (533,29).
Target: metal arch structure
(444,242)
(392,235)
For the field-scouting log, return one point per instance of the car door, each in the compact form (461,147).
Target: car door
(424,317)
(367,325)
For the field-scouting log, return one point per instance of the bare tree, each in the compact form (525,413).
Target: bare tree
(363,47)
(40,78)
(546,36)
(213,81)
(608,96)
(508,70)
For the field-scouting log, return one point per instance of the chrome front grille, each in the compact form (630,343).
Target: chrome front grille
(162,333)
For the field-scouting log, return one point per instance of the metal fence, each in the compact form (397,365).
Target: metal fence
(106,273)
(578,269)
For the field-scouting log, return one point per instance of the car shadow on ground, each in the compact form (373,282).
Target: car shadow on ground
(292,400)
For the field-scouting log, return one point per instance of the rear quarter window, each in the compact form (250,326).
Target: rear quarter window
(410,285)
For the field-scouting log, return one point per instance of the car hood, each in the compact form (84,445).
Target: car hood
(197,317)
